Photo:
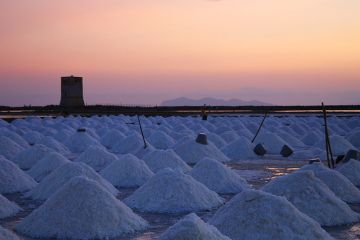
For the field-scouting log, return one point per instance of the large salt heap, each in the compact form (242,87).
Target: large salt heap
(131,144)
(7,235)
(338,183)
(339,145)
(8,148)
(311,196)
(81,209)
(111,138)
(171,191)
(240,149)
(29,157)
(96,157)
(191,227)
(80,141)
(257,215)
(161,140)
(351,170)
(217,177)
(272,142)
(160,159)
(64,173)
(192,152)
(7,208)
(14,137)
(13,179)
(127,171)
(54,144)
(46,165)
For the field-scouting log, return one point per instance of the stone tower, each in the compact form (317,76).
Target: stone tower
(71,91)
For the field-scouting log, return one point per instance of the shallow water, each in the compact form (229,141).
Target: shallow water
(257,174)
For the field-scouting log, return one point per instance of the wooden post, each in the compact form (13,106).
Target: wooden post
(329,155)
(142,133)
(257,132)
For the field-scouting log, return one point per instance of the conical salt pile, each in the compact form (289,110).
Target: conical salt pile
(64,173)
(311,196)
(111,138)
(161,140)
(192,227)
(46,165)
(351,170)
(8,148)
(338,183)
(13,179)
(192,152)
(131,144)
(257,215)
(240,149)
(127,171)
(217,177)
(81,209)
(7,235)
(80,141)
(96,157)
(29,157)
(7,208)
(170,191)
(54,144)
(161,159)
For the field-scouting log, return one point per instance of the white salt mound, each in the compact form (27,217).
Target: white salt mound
(217,177)
(54,144)
(240,149)
(29,157)
(13,179)
(161,140)
(8,148)
(312,197)
(351,170)
(64,173)
(338,183)
(32,137)
(131,144)
(81,209)
(7,208)
(46,165)
(192,152)
(354,139)
(171,191)
(7,235)
(111,138)
(271,141)
(191,227)
(80,141)
(127,171)
(257,215)
(340,146)
(161,159)
(96,157)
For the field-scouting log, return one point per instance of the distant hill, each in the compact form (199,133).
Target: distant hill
(183,101)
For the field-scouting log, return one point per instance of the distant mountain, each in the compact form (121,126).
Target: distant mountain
(183,101)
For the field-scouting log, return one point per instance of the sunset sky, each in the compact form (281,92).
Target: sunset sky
(147,51)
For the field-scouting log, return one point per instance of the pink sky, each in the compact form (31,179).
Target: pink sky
(147,51)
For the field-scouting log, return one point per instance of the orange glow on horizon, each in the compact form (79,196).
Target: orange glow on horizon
(240,39)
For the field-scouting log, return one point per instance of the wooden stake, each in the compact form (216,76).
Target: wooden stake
(329,155)
(142,134)
(257,132)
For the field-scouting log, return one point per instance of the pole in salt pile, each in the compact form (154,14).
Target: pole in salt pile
(329,155)
(142,133)
(262,122)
